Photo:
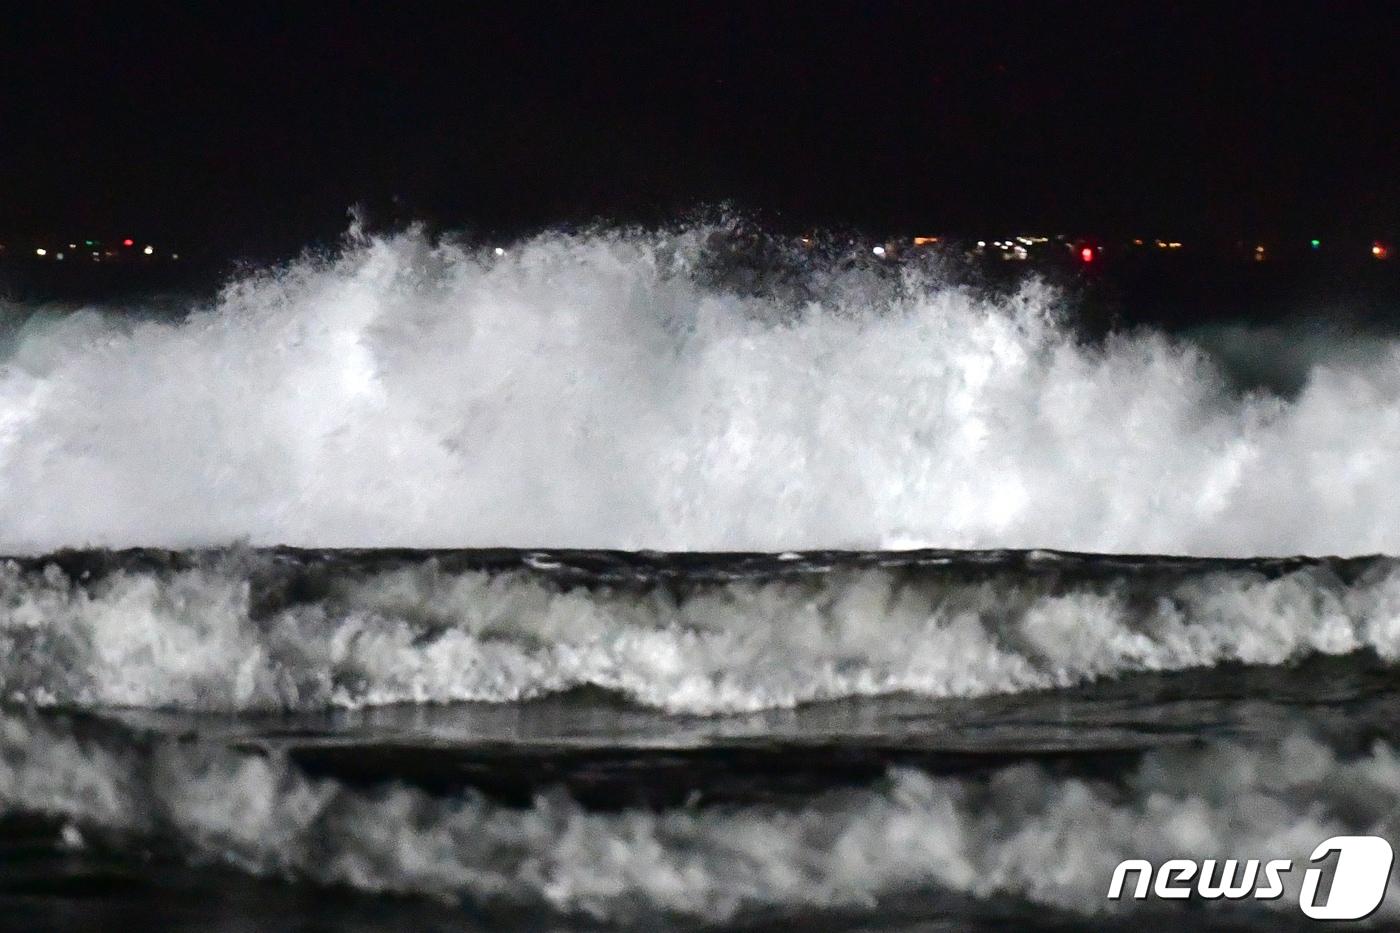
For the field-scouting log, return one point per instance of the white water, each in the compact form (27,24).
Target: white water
(1025,833)
(189,640)
(588,391)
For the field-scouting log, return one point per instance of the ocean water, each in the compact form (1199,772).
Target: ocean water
(620,581)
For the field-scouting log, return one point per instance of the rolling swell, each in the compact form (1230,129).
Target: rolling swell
(285,629)
(1023,834)
(619,389)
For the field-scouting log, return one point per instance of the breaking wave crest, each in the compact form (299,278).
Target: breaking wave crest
(610,390)
(251,630)
(1024,831)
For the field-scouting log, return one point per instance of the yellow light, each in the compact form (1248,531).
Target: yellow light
(41,252)
(1174,245)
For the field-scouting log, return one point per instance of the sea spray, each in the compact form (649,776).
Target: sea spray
(610,389)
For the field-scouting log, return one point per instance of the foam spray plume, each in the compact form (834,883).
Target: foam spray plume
(600,390)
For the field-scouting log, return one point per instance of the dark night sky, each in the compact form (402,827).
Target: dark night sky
(250,124)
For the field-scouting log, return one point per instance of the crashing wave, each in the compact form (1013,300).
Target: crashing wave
(1024,831)
(250,630)
(609,389)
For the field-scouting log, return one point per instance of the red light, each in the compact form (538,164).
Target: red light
(128,242)
(1380,250)
(1087,254)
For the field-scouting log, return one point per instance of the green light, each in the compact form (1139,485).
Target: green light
(1315,243)
(90,242)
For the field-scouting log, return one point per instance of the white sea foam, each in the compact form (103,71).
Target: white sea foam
(193,639)
(1027,833)
(590,390)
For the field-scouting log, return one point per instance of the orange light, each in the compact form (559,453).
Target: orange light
(925,240)
(1087,254)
